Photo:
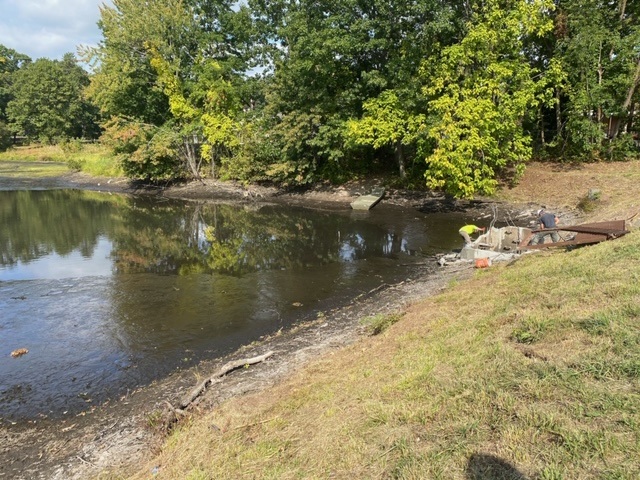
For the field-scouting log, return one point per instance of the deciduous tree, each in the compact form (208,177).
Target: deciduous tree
(599,47)
(10,62)
(185,55)
(481,89)
(332,58)
(48,101)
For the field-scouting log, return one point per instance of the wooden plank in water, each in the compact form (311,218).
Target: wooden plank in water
(367,202)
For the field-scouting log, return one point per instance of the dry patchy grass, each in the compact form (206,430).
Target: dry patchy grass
(566,185)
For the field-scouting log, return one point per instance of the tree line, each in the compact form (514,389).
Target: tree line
(455,94)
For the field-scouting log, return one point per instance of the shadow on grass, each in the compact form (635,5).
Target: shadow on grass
(488,467)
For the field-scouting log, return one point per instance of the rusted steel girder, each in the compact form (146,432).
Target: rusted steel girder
(588,233)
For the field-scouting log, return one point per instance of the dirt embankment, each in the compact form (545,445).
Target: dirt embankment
(558,187)
(126,430)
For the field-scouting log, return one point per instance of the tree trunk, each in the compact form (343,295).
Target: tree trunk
(614,129)
(623,7)
(213,162)
(541,122)
(627,102)
(600,73)
(399,154)
(558,114)
(190,156)
(632,117)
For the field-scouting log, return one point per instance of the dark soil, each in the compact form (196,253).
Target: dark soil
(126,430)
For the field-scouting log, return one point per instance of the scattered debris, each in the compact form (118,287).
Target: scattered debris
(482,262)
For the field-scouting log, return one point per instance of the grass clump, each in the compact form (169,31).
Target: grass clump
(530,371)
(379,323)
(589,203)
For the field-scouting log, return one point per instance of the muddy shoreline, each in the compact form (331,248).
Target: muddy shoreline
(124,431)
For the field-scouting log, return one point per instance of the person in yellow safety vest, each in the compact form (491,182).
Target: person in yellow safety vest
(468,230)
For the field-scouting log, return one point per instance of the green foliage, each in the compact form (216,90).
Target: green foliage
(388,122)
(531,331)
(145,152)
(124,83)
(385,122)
(298,162)
(192,79)
(620,149)
(10,62)
(125,136)
(481,89)
(158,160)
(346,87)
(379,323)
(71,148)
(74,164)
(597,44)
(5,137)
(69,145)
(588,203)
(256,152)
(48,101)
(332,58)
(584,137)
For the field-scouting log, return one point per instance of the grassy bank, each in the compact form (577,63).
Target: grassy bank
(91,158)
(530,370)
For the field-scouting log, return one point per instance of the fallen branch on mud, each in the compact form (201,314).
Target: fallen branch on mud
(228,367)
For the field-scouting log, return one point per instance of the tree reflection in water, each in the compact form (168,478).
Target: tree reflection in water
(110,292)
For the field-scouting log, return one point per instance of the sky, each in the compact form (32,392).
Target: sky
(49,28)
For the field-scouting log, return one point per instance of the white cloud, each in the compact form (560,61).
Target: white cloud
(49,28)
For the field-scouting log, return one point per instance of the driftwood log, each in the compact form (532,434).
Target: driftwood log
(226,368)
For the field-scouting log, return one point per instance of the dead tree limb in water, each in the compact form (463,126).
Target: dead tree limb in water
(226,368)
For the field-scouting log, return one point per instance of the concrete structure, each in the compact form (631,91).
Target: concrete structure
(496,244)
(366,202)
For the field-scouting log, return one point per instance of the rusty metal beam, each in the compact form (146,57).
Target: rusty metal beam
(588,233)
(564,243)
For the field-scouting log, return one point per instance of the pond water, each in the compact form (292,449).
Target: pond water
(109,292)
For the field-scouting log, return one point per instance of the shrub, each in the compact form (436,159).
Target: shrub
(71,145)
(145,152)
(5,137)
(379,323)
(621,148)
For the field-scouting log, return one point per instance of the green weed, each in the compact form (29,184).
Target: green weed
(379,323)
